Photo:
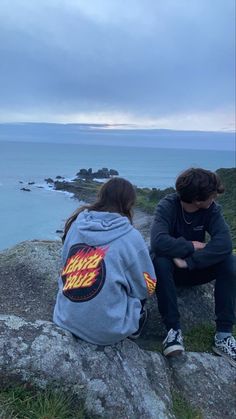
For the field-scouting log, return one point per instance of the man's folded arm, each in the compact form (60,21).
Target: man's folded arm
(162,243)
(219,246)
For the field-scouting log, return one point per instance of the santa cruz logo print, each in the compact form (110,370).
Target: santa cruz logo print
(84,272)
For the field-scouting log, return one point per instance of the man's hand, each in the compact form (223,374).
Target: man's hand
(198,245)
(180,263)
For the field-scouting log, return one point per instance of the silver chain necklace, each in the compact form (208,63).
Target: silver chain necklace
(187,222)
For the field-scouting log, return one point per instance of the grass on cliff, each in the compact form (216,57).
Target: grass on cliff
(24,403)
(199,339)
(182,408)
(147,199)
(228,199)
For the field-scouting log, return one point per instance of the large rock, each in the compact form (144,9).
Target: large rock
(208,383)
(28,279)
(119,381)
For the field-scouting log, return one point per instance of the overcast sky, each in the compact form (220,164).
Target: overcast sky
(162,63)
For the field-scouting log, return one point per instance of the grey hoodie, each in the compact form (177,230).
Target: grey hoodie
(107,271)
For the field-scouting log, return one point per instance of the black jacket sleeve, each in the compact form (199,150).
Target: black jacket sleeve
(219,246)
(162,242)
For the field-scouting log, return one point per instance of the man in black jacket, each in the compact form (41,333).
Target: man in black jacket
(182,257)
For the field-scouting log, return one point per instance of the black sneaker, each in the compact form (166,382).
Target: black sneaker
(173,343)
(226,348)
(142,323)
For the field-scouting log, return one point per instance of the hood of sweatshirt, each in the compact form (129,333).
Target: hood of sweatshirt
(99,228)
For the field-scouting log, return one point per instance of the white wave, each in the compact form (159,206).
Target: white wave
(69,194)
(67,179)
(101,180)
(50,187)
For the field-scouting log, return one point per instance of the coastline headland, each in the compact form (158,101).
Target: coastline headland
(87,183)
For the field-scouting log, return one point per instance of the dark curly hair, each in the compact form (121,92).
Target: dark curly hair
(197,184)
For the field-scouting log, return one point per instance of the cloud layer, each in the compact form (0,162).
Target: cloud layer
(149,60)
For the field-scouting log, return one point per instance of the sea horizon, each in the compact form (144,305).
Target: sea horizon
(105,134)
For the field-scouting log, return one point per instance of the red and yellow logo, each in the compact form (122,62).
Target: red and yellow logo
(150,282)
(83,275)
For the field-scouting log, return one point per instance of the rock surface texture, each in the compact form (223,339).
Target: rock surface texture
(121,381)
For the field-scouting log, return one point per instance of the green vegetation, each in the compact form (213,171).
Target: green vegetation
(182,409)
(198,339)
(24,403)
(228,199)
(82,189)
(147,199)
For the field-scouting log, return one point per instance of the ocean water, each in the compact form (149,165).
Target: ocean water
(39,213)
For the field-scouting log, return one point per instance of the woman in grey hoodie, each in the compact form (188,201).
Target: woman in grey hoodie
(107,271)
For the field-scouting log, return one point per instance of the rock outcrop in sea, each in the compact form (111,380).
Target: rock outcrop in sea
(25,189)
(103,173)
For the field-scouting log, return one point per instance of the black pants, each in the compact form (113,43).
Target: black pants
(169,276)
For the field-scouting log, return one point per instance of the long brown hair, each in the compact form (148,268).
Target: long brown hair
(116,195)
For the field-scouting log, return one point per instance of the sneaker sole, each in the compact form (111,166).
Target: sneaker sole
(134,337)
(137,335)
(173,350)
(226,357)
